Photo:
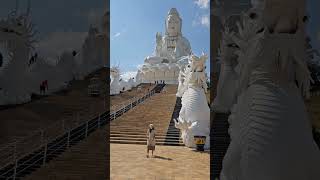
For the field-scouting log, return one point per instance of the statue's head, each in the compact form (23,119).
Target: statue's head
(173,23)
(195,70)
(198,63)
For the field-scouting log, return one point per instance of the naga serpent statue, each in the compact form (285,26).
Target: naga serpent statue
(194,116)
(270,130)
(16,42)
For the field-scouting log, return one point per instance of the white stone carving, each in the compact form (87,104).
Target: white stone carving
(194,116)
(270,130)
(227,84)
(119,83)
(114,83)
(22,72)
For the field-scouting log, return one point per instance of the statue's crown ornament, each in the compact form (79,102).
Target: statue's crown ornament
(173,11)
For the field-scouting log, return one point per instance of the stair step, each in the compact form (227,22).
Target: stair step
(143,139)
(144,133)
(144,136)
(145,143)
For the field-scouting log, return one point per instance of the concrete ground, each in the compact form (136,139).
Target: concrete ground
(170,163)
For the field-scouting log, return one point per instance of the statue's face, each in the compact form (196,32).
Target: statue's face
(173,25)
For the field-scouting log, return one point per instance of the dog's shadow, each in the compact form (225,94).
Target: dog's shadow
(163,158)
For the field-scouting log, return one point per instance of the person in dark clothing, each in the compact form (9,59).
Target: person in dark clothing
(42,88)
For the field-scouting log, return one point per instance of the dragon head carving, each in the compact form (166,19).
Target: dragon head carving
(195,71)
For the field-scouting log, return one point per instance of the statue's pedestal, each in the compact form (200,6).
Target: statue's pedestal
(168,75)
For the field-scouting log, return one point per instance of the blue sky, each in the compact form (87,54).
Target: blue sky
(313,7)
(134,24)
(61,24)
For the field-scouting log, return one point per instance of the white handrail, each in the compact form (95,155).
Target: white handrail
(11,147)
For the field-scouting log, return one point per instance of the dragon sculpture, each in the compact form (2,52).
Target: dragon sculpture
(270,130)
(194,116)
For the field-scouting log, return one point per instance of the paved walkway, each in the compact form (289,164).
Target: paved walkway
(129,161)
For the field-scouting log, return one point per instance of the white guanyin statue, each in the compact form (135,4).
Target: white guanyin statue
(194,116)
(170,48)
(270,129)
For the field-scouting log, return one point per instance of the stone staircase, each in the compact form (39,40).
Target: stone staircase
(172,127)
(131,128)
(219,142)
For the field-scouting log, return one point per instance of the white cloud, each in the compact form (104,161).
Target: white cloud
(129,74)
(139,66)
(57,42)
(202,20)
(204,4)
(117,34)
(205,20)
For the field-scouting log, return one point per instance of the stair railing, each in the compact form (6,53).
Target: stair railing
(33,150)
(130,105)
